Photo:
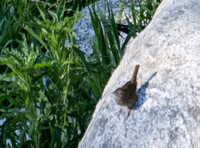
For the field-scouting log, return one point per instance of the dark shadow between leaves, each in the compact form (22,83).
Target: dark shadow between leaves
(141,93)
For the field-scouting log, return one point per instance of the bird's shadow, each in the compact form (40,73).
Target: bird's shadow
(141,93)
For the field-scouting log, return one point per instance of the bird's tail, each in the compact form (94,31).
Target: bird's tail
(134,78)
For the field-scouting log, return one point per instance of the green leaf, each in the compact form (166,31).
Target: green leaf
(43,64)
(5,86)
(145,8)
(7,43)
(19,6)
(95,86)
(54,15)
(61,9)
(36,36)
(2,98)
(9,75)
(67,62)
(41,12)
(102,42)
(81,54)
(3,110)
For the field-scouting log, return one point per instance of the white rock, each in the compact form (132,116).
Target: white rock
(167,113)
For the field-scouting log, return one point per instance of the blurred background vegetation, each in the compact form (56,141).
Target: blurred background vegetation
(48,87)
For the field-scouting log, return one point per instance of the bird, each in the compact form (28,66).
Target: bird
(126,95)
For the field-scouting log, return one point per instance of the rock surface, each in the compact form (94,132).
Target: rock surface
(167,113)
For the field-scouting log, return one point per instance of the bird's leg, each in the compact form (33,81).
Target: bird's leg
(119,113)
(129,111)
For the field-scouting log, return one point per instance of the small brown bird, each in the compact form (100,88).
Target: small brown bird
(126,95)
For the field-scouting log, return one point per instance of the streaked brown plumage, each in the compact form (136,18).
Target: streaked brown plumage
(126,95)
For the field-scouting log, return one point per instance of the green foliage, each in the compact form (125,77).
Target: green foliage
(45,99)
(106,51)
(71,5)
(142,13)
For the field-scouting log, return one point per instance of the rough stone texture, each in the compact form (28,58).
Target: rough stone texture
(167,113)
